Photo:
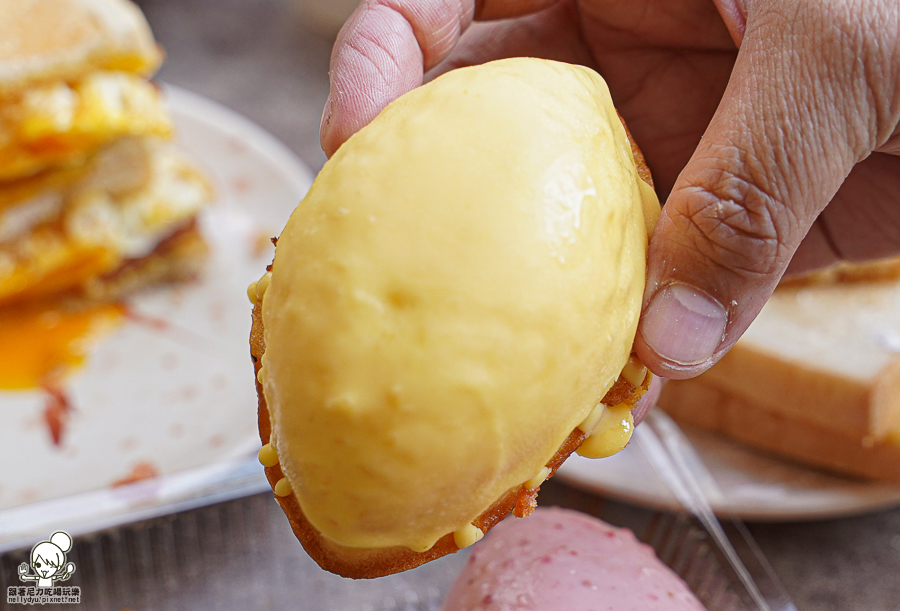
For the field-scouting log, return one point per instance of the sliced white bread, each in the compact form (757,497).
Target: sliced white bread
(827,356)
(702,404)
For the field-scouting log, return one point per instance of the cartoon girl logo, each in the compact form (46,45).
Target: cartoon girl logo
(48,561)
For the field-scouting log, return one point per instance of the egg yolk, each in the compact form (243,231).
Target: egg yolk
(40,344)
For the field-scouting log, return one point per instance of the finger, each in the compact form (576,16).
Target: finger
(796,116)
(385,47)
(733,15)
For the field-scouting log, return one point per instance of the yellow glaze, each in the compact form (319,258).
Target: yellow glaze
(612,434)
(456,293)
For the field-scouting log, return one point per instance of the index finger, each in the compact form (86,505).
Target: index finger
(386,47)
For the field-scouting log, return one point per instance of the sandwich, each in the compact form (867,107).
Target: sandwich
(73,78)
(95,201)
(451,312)
(828,349)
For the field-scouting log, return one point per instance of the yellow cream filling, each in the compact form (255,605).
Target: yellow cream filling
(267,455)
(467,535)
(283,487)
(611,435)
(456,293)
(634,372)
(539,478)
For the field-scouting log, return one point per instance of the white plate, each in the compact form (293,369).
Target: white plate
(748,485)
(179,398)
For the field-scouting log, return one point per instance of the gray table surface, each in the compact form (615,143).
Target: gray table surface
(257,58)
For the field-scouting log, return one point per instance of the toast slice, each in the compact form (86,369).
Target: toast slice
(701,403)
(62,40)
(824,356)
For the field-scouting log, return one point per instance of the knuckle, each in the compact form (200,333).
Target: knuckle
(734,223)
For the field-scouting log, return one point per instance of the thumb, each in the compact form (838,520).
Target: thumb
(811,94)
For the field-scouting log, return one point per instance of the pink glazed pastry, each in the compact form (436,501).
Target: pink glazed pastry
(562,559)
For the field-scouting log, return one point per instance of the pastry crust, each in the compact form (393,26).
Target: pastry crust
(367,563)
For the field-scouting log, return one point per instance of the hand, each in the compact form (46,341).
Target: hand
(23,569)
(789,122)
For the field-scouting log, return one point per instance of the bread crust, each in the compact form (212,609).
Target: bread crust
(368,563)
(54,40)
(878,270)
(699,403)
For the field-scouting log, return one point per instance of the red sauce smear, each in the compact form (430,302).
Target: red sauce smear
(57,411)
(141,471)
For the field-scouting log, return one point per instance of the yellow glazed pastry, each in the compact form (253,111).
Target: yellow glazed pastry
(455,295)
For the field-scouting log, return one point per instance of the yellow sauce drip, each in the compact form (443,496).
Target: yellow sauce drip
(612,434)
(283,487)
(268,457)
(257,289)
(468,535)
